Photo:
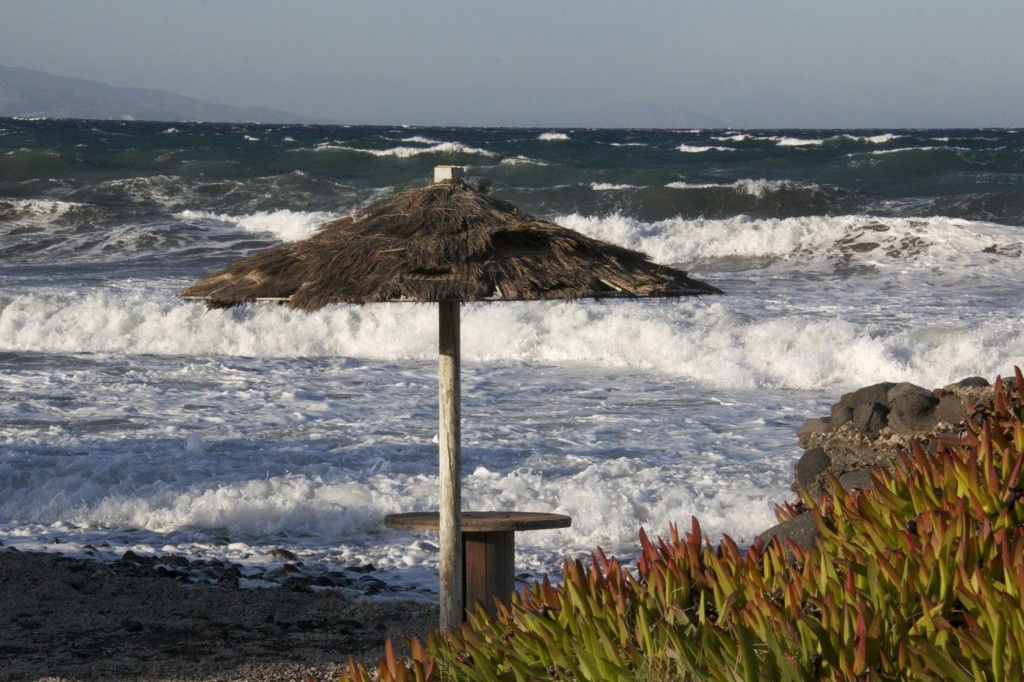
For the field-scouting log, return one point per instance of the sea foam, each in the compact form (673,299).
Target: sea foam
(695,149)
(283,224)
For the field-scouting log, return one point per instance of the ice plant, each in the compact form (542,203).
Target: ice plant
(919,578)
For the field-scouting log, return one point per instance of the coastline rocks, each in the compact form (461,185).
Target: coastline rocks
(800,529)
(288,576)
(872,425)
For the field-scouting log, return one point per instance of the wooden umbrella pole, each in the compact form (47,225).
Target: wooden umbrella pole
(449,464)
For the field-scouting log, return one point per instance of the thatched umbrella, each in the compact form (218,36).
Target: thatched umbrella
(447,243)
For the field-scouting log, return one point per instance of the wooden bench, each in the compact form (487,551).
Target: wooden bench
(488,548)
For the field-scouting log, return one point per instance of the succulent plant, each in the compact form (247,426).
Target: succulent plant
(920,577)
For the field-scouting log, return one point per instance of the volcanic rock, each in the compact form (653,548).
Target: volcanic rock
(800,529)
(813,463)
(876,393)
(912,412)
(870,417)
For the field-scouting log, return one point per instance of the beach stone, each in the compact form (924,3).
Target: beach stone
(175,560)
(969,382)
(296,585)
(951,409)
(322,581)
(906,388)
(369,585)
(811,427)
(870,418)
(800,529)
(282,554)
(841,414)
(856,480)
(876,393)
(812,464)
(913,412)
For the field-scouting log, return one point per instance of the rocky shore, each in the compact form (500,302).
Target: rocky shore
(136,618)
(868,428)
(173,618)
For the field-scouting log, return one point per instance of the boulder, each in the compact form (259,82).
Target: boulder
(840,414)
(951,409)
(282,554)
(912,412)
(811,427)
(856,480)
(876,393)
(813,463)
(800,529)
(870,418)
(969,382)
(906,388)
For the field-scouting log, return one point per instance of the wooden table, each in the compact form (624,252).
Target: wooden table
(488,548)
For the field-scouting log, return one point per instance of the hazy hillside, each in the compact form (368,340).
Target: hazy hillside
(24,92)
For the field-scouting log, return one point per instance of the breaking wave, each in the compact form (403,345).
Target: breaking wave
(753,187)
(695,149)
(406,152)
(826,242)
(284,224)
(800,349)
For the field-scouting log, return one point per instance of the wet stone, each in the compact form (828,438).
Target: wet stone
(175,560)
(282,554)
(296,585)
(370,585)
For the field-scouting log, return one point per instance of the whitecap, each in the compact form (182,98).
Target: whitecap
(753,187)
(283,224)
(697,149)
(519,160)
(406,152)
(419,139)
(795,142)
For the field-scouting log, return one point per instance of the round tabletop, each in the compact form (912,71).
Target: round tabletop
(481,522)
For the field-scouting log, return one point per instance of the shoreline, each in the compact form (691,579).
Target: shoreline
(81,619)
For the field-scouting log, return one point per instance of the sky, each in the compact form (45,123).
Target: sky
(739,63)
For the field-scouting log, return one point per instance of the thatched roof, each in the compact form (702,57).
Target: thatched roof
(448,240)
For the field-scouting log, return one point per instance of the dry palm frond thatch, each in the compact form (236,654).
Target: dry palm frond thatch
(446,241)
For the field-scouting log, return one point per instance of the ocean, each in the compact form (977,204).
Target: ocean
(131,420)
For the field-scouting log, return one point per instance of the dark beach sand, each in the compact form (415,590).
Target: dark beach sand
(70,619)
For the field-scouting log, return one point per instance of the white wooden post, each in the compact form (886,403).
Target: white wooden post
(442,173)
(449,445)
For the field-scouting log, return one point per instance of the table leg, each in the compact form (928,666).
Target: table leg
(488,569)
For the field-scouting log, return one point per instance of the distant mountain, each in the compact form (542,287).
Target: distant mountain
(24,92)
